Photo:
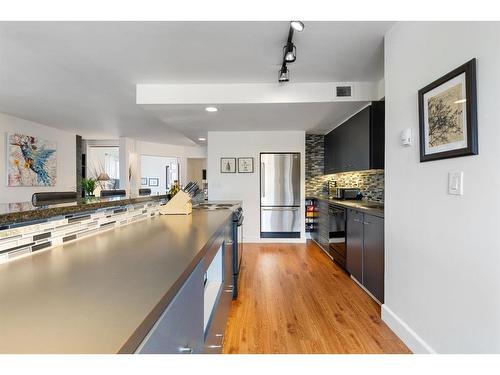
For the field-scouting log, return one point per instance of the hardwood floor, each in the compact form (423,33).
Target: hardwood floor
(294,299)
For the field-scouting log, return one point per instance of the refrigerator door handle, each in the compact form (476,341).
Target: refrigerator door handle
(280,208)
(263,180)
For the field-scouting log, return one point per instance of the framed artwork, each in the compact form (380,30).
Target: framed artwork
(227,165)
(245,165)
(448,115)
(144,181)
(153,181)
(32,161)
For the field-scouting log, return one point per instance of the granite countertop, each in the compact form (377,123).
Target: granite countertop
(369,207)
(13,213)
(102,294)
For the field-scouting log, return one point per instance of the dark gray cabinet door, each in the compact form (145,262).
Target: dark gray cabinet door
(373,256)
(180,329)
(357,148)
(358,143)
(354,242)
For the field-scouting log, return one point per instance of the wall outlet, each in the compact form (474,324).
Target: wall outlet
(456,183)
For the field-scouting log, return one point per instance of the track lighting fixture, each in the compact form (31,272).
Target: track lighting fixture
(297,26)
(284,74)
(289,52)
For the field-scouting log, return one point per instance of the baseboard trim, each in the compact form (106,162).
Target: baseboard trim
(273,240)
(413,341)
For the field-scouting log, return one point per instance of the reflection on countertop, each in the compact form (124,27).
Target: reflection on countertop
(13,213)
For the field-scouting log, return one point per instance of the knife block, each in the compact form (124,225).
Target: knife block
(180,204)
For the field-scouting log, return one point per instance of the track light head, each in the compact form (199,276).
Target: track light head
(297,25)
(284,74)
(290,52)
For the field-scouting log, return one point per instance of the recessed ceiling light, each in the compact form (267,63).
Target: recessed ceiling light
(211,109)
(297,25)
(202,139)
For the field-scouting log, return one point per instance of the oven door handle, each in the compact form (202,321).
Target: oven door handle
(240,221)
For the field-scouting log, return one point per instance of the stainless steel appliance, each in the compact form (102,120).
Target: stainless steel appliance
(237,247)
(337,235)
(280,195)
(236,234)
(345,193)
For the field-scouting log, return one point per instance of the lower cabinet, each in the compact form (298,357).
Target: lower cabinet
(354,239)
(214,335)
(195,320)
(365,251)
(180,328)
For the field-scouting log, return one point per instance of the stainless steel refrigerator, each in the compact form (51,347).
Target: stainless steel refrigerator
(280,195)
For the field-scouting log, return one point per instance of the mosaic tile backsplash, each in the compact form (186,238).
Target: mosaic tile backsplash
(25,240)
(371,182)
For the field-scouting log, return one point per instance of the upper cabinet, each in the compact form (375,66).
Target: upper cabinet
(358,143)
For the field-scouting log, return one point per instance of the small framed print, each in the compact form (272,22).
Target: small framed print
(245,165)
(154,181)
(144,181)
(227,165)
(448,115)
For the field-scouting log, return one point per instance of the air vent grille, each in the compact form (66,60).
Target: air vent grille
(343,91)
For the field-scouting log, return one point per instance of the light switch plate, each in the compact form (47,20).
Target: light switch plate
(456,183)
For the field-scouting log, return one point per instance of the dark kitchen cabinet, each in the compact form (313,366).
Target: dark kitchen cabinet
(365,251)
(373,255)
(354,236)
(180,329)
(358,143)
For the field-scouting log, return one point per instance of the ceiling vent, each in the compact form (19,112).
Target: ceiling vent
(343,91)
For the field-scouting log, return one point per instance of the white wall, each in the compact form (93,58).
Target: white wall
(442,259)
(194,171)
(66,158)
(154,167)
(245,186)
(181,152)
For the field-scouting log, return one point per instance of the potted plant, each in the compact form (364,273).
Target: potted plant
(88,186)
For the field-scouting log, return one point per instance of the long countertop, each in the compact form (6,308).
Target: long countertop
(14,213)
(369,207)
(102,294)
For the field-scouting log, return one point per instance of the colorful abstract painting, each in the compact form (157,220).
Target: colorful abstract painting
(32,161)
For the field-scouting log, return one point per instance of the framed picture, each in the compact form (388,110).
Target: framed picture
(227,165)
(245,165)
(448,115)
(144,181)
(153,181)
(31,161)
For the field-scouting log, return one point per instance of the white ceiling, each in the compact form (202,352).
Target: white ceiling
(194,121)
(81,76)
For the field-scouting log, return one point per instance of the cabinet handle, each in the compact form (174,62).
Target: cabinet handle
(366,222)
(356,220)
(186,350)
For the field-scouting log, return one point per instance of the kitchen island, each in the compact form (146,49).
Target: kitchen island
(104,293)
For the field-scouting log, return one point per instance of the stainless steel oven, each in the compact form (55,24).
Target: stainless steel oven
(337,241)
(237,247)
